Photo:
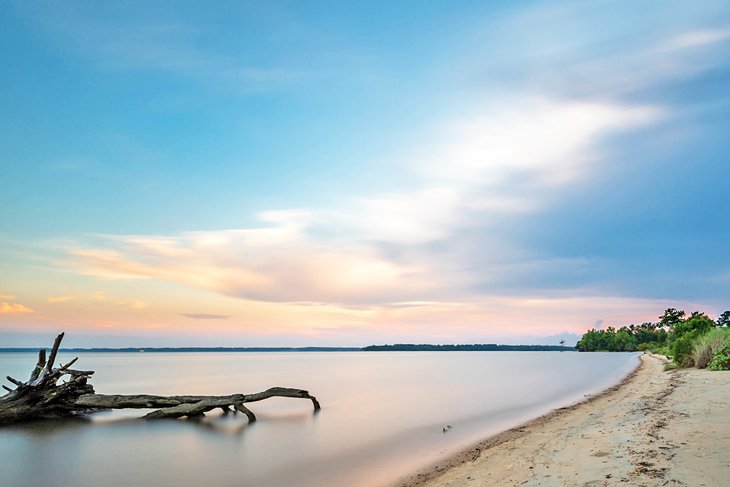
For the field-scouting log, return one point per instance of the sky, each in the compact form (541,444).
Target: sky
(348,173)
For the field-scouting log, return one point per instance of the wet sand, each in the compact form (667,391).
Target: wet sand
(656,428)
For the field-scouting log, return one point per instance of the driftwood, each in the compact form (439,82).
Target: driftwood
(56,392)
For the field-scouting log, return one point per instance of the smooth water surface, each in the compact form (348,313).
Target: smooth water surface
(382,416)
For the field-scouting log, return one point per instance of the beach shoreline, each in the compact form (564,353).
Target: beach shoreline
(653,428)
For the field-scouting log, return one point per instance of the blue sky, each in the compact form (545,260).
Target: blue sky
(349,173)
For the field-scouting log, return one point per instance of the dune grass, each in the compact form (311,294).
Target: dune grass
(715,342)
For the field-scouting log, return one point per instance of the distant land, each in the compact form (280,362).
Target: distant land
(195,349)
(400,347)
(485,347)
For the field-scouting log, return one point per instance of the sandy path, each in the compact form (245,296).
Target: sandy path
(657,428)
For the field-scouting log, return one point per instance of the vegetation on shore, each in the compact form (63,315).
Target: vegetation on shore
(694,340)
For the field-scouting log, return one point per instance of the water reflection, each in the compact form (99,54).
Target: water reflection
(48,427)
(383,416)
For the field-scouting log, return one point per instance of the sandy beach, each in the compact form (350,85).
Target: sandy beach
(656,428)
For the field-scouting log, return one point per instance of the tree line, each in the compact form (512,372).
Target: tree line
(478,347)
(676,334)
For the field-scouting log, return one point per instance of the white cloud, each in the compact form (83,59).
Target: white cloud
(375,249)
(409,217)
(550,139)
(489,166)
(697,38)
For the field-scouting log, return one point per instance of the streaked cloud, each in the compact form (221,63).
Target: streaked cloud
(172,47)
(544,141)
(58,299)
(698,38)
(132,303)
(339,256)
(275,263)
(99,297)
(205,316)
(10,308)
(505,161)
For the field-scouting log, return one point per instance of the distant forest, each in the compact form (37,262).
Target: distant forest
(486,347)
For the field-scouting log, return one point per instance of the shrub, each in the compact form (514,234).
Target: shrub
(720,360)
(706,346)
(682,348)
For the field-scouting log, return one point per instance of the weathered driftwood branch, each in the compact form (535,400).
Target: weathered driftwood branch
(42,396)
(177,406)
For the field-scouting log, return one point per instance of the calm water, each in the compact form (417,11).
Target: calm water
(382,415)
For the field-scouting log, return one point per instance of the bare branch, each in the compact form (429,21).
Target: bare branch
(78,373)
(64,367)
(283,392)
(145,401)
(249,414)
(39,366)
(54,351)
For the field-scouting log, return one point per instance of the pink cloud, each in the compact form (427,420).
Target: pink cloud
(277,264)
(8,308)
(58,299)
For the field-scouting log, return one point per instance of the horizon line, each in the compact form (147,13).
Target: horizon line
(314,348)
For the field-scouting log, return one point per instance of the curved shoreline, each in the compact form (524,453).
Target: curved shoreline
(653,428)
(427,475)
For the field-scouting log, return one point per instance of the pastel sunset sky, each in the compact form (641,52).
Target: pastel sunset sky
(347,173)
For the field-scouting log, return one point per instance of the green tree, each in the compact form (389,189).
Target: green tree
(724,319)
(589,342)
(608,340)
(648,333)
(675,333)
(624,340)
(671,318)
(699,322)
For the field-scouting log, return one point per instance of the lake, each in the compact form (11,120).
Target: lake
(382,416)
